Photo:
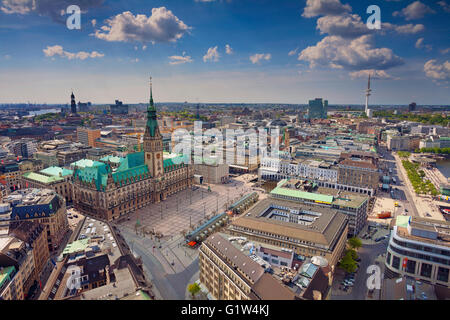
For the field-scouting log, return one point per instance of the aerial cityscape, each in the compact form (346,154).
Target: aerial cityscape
(210,150)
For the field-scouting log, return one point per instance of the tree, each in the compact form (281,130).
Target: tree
(347,262)
(355,243)
(193,289)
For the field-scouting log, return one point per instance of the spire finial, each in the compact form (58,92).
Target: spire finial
(151,92)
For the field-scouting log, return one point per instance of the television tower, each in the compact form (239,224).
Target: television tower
(368,91)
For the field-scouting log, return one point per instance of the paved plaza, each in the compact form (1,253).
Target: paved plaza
(187,209)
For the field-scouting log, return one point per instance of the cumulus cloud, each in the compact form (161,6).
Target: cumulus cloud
(180,59)
(257,57)
(437,71)
(354,55)
(94,22)
(228,49)
(57,50)
(50,8)
(144,47)
(419,44)
(211,55)
(409,28)
(444,5)
(416,10)
(316,8)
(374,74)
(346,26)
(161,26)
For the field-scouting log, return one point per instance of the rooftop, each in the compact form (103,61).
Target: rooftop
(42,178)
(57,172)
(323,229)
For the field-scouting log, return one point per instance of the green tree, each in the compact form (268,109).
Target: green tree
(354,243)
(193,289)
(347,262)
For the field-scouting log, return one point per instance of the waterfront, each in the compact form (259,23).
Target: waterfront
(444,167)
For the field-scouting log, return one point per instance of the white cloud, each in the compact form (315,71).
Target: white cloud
(316,8)
(257,57)
(346,26)
(51,8)
(293,52)
(180,59)
(135,60)
(419,44)
(416,10)
(445,6)
(374,74)
(94,22)
(228,49)
(161,26)
(57,50)
(211,55)
(436,71)
(404,29)
(353,55)
(144,47)
(445,51)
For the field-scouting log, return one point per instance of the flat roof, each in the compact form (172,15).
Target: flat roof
(57,171)
(322,230)
(42,178)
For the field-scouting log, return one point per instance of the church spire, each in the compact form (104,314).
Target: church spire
(152,123)
(151,93)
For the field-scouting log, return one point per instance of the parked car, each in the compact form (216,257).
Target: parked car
(379,239)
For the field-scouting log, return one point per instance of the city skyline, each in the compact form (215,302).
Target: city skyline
(225,52)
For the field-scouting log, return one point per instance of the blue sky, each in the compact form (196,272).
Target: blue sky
(285,51)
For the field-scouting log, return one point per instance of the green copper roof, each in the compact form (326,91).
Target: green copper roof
(279,190)
(131,167)
(83,163)
(41,178)
(402,221)
(76,246)
(112,159)
(5,274)
(174,160)
(57,171)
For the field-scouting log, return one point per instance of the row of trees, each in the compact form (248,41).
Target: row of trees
(404,154)
(433,150)
(427,118)
(416,176)
(348,261)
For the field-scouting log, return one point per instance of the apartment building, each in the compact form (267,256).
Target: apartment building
(55,178)
(88,136)
(44,206)
(228,274)
(16,268)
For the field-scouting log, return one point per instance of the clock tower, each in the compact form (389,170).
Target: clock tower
(153,145)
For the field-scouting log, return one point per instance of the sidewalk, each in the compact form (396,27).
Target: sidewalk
(421,203)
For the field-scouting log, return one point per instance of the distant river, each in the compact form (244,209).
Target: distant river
(444,167)
(44,111)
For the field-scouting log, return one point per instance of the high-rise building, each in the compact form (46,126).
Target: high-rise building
(317,109)
(412,107)
(73,104)
(88,136)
